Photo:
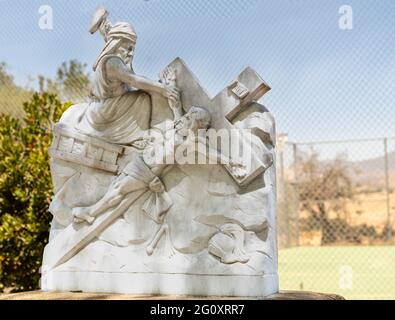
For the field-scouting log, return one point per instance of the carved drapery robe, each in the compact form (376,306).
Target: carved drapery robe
(117,114)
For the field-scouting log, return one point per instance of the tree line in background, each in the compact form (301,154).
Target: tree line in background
(320,202)
(71,83)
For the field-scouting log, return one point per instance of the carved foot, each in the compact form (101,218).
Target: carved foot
(170,251)
(169,248)
(238,170)
(81,214)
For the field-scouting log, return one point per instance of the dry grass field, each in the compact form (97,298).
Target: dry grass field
(368,209)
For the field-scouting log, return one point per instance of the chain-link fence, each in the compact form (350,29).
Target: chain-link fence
(336,208)
(336,203)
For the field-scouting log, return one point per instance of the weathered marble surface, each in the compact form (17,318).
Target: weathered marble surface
(122,226)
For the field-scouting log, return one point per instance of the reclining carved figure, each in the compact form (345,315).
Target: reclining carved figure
(144,170)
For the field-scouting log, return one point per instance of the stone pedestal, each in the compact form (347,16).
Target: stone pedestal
(39,295)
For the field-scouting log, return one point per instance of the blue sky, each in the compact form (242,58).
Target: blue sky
(327,83)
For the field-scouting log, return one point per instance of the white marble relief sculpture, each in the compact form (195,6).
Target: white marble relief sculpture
(159,188)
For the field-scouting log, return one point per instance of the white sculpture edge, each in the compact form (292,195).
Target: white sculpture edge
(161,284)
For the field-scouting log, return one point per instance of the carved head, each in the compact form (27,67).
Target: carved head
(196,118)
(126,51)
(120,40)
(124,34)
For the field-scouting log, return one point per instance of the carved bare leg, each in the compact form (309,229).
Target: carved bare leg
(122,186)
(169,248)
(155,240)
(88,214)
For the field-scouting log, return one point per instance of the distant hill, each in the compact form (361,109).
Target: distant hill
(371,172)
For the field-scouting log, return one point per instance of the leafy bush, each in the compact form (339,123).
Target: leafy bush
(25,191)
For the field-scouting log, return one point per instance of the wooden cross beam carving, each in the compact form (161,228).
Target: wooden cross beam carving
(237,97)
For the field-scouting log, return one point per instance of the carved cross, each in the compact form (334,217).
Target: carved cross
(237,97)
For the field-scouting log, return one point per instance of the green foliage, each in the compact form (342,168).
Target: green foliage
(25,190)
(25,182)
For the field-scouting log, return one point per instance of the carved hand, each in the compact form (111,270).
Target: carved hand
(143,144)
(168,79)
(171,93)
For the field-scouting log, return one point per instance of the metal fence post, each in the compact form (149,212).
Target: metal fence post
(296,217)
(285,195)
(387,190)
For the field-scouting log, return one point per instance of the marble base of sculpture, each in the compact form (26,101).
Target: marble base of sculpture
(161,284)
